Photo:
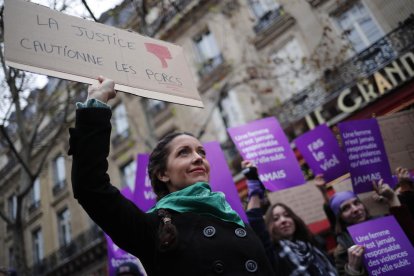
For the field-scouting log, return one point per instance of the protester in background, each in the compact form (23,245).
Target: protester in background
(349,210)
(320,183)
(288,242)
(190,231)
(405,189)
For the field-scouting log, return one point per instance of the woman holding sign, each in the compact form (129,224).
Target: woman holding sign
(288,242)
(190,231)
(349,210)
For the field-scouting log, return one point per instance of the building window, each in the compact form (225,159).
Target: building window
(64,227)
(34,196)
(208,55)
(37,239)
(12,206)
(128,174)
(59,173)
(262,7)
(291,73)
(155,106)
(120,123)
(359,26)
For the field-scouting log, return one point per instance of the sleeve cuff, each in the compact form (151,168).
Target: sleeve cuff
(94,103)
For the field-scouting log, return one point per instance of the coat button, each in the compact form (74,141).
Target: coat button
(218,267)
(240,232)
(209,231)
(251,266)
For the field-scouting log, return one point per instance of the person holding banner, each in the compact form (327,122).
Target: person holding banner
(190,231)
(289,243)
(350,210)
(405,188)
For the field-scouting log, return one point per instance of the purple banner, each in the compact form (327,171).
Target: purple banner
(366,155)
(144,197)
(264,142)
(387,250)
(221,179)
(117,256)
(321,151)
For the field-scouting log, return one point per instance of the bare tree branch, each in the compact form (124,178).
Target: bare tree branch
(89,10)
(13,149)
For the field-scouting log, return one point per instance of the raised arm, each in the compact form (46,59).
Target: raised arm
(129,227)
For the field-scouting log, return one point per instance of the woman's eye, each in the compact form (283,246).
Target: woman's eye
(275,218)
(345,208)
(183,152)
(202,152)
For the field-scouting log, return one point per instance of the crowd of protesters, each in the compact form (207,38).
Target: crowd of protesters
(293,249)
(194,231)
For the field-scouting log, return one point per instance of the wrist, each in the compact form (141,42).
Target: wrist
(353,270)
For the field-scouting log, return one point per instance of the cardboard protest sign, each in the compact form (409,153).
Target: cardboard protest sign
(144,197)
(397,132)
(366,154)
(264,142)
(387,250)
(321,151)
(221,179)
(306,201)
(117,256)
(48,42)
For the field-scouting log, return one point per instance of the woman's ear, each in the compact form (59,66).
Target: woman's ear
(163,177)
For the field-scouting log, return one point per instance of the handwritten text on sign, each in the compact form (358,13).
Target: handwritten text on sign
(45,41)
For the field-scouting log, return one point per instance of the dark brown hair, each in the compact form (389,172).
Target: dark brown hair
(167,232)
(301,230)
(158,163)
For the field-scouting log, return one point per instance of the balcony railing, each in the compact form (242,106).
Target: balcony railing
(33,206)
(268,19)
(119,138)
(64,254)
(377,56)
(58,187)
(209,65)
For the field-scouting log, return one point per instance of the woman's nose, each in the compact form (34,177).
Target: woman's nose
(354,208)
(197,157)
(282,219)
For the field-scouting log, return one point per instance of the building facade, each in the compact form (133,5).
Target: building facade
(306,62)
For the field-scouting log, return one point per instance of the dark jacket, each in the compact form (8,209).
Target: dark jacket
(206,245)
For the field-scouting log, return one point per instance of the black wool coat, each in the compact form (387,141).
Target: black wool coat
(206,245)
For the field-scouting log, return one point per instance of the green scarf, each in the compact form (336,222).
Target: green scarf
(198,198)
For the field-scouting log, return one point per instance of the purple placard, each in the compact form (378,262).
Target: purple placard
(264,142)
(117,256)
(387,250)
(366,154)
(221,179)
(321,151)
(144,197)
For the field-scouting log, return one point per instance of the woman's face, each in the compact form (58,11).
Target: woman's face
(283,224)
(186,163)
(353,211)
